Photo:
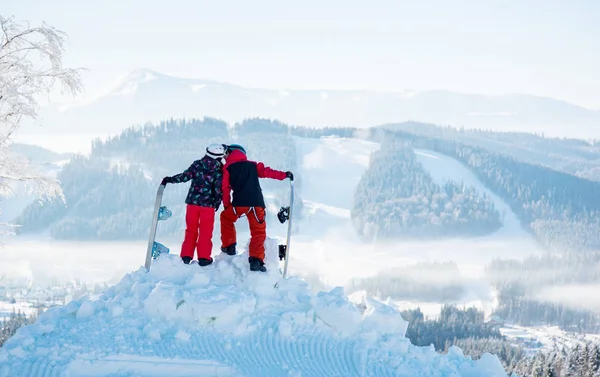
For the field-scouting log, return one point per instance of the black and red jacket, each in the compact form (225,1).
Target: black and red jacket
(241,175)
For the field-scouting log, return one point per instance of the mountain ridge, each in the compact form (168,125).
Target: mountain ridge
(145,95)
(144,74)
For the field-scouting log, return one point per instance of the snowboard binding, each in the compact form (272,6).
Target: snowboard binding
(284,214)
(282,251)
(164,213)
(158,249)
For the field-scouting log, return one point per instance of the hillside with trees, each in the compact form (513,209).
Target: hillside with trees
(524,290)
(110,193)
(560,209)
(397,198)
(467,329)
(555,201)
(573,156)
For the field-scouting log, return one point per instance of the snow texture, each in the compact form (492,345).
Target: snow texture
(224,320)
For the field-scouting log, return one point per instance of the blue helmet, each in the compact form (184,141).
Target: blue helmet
(232,147)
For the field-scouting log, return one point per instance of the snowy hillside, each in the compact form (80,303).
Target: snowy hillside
(330,168)
(444,168)
(183,320)
(145,95)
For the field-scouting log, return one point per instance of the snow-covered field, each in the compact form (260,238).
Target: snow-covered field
(223,320)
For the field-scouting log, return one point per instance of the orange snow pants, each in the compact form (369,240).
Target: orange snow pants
(258,228)
(199,226)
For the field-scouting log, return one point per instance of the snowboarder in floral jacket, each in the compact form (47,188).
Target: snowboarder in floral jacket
(202,201)
(240,176)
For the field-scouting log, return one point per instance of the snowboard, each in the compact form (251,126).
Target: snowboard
(285,214)
(160,213)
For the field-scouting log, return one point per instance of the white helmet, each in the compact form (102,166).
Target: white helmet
(215,151)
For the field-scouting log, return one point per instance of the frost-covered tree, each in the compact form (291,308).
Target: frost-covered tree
(30,67)
(16,320)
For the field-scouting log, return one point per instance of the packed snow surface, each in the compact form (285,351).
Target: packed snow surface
(224,320)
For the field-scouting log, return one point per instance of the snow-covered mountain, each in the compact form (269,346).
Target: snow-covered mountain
(222,320)
(145,95)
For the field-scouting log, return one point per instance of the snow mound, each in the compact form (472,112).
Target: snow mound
(224,320)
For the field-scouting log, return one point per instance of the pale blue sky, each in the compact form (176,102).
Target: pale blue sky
(542,47)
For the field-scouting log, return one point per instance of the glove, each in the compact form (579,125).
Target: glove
(289,175)
(166,180)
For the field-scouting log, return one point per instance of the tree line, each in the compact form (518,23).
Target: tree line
(425,281)
(10,325)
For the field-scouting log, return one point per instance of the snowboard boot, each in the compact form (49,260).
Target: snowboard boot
(204,262)
(186,260)
(229,250)
(256,264)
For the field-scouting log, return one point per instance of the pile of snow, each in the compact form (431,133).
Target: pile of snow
(224,320)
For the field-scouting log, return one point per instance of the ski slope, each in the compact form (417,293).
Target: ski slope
(222,320)
(325,248)
(330,169)
(444,168)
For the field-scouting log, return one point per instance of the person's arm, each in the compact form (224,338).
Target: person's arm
(226,189)
(218,187)
(187,174)
(267,172)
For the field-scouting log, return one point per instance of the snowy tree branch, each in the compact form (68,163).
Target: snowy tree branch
(30,67)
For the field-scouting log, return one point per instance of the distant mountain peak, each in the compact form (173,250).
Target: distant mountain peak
(129,83)
(145,95)
(141,75)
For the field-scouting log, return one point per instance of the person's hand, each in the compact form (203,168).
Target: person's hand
(166,180)
(289,175)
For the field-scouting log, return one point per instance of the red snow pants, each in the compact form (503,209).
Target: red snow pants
(199,226)
(258,228)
